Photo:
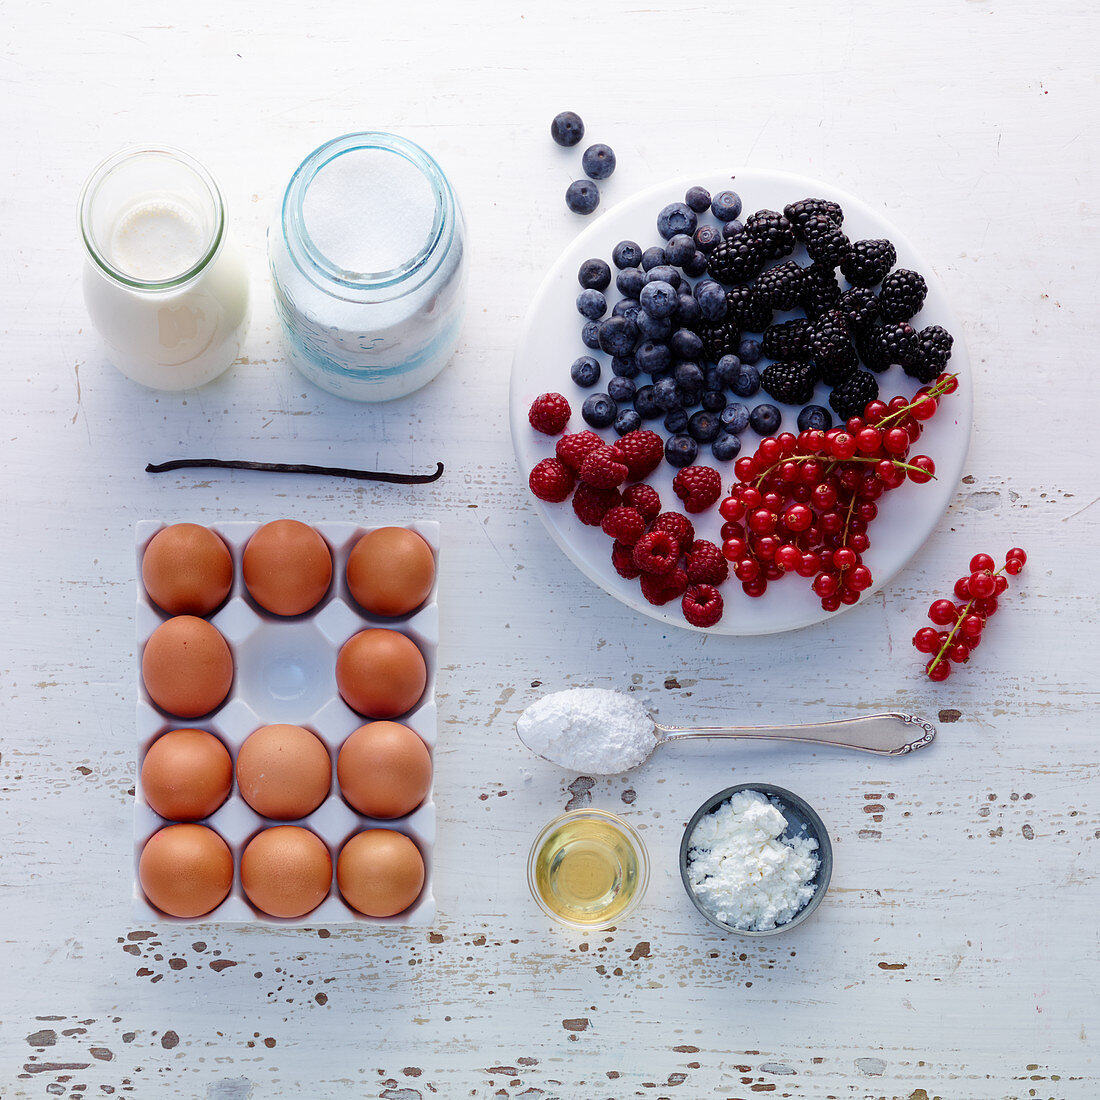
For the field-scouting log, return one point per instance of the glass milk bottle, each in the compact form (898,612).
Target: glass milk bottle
(367,261)
(164,282)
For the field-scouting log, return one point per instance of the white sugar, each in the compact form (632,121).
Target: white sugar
(369,211)
(588,730)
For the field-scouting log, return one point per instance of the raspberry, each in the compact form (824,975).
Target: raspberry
(622,557)
(645,498)
(549,413)
(592,504)
(551,480)
(572,448)
(702,605)
(641,451)
(660,590)
(656,553)
(623,524)
(676,525)
(699,487)
(705,564)
(601,468)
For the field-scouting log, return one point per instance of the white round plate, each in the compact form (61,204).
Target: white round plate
(551,341)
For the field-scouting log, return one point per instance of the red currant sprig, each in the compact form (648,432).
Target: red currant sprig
(965,620)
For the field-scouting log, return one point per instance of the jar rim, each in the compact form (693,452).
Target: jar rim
(310,260)
(99,176)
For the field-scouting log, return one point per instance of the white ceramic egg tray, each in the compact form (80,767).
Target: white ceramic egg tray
(284,670)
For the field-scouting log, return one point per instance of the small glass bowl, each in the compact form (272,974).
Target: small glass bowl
(630,839)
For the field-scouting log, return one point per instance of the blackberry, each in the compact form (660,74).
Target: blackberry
(719,340)
(789,383)
(831,348)
(789,340)
(826,242)
(901,344)
(745,306)
(869,346)
(781,286)
(850,398)
(868,262)
(935,345)
(798,213)
(860,307)
(901,295)
(736,259)
(773,231)
(820,290)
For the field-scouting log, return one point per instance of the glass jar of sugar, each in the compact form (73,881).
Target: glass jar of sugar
(164,282)
(367,260)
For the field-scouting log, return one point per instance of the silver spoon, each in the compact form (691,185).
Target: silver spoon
(891,734)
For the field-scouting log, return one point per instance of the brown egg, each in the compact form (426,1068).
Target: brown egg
(283,772)
(380,872)
(186,775)
(380,673)
(187,667)
(287,567)
(286,871)
(186,870)
(384,770)
(187,569)
(390,571)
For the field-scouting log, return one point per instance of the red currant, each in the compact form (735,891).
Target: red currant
(1018,554)
(788,558)
(734,549)
(844,558)
(731,508)
(962,588)
(869,440)
(824,496)
(859,542)
(981,563)
(744,468)
(751,498)
(842,447)
(972,626)
(747,569)
(925,640)
(923,409)
(798,517)
(826,584)
(942,613)
(849,595)
(926,468)
(755,588)
(959,653)
(875,411)
(896,441)
(810,564)
(1014,566)
(830,603)
(937,672)
(766,548)
(982,585)
(860,578)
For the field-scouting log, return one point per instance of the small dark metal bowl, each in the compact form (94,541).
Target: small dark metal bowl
(802,820)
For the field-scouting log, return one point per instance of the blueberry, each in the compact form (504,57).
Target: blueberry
(594,275)
(675,218)
(815,417)
(567,128)
(664,273)
(599,410)
(652,357)
(624,366)
(585,371)
(689,376)
(630,281)
(687,311)
(621,390)
(645,403)
(713,379)
(706,239)
(690,398)
(710,296)
(714,400)
(750,351)
(725,447)
(624,306)
(680,249)
(698,198)
(590,335)
(747,381)
(765,419)
(653,328)
(676,422)
(728,367)
(697,265)
(704,426)
(626,254)
(618,336)
(726,205)
(653,257)
(735,418)
(667,394)
(658,298)
(732,229)
(627,421)
(680,450)
(582,196)
(591,304)
(598,161)
(686,344)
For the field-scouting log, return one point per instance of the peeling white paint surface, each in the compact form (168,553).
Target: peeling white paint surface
(956,955)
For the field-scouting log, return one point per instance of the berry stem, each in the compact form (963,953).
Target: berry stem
(941,387)
(950,639)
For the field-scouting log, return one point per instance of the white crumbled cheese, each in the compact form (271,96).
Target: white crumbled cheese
(744,871)
(588,730)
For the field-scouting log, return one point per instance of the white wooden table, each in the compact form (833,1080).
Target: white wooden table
(956,955)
